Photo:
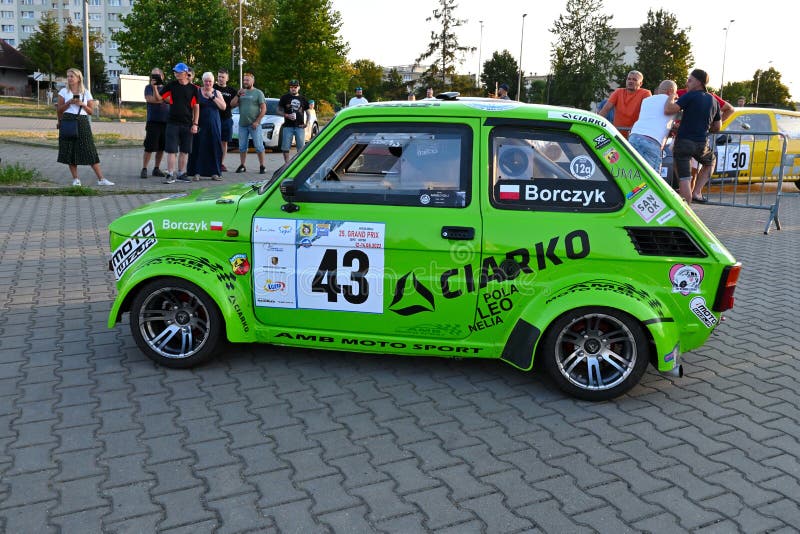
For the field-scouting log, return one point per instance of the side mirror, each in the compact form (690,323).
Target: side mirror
(288,191)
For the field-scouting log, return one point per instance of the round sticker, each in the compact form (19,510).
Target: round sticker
(425,199)
(582,167)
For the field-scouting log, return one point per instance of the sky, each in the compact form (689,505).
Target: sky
(761,36)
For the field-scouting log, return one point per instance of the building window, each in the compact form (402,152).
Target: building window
(113,16)
(76,15)
(95,16)
(7,2)
(95,2)
(112,45)
(22,14)
(12,42)
(114,73)
(28,29)
(10,14)
(26,2)
(115,3)
(8,28)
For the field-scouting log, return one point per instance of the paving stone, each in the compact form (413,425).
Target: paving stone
(239,513)
(131,501)
(182,507)
(84,521)
(439,509)
(328,494)
(295,517)
(383,501)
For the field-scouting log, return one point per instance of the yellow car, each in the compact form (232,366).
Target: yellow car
(759,154)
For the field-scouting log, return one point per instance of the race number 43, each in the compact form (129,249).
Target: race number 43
(327,280)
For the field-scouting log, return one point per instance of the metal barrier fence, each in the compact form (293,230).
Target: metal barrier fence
(750,171)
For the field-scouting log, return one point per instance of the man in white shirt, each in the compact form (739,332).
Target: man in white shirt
(650,131)
(358,99)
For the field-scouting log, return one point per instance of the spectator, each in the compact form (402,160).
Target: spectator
(429,94)
(75,103)
(700,116)
(502,92)
(225,115)
(182,123)
(252,107)
(206,147)
(293,105)
(358,99)
(311,104)
(626,102)
(49,96)
(725,107)
(155,129)
(650,131)
(412,96)
(610,115)
(740,102)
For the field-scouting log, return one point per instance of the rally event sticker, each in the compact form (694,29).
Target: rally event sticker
(648,206)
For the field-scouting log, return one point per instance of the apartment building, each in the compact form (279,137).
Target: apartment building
(19,20)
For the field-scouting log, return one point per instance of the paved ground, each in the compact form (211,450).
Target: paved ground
(93,437)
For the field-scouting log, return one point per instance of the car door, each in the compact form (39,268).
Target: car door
(386,240)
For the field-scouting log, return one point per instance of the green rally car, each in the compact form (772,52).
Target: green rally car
(453,227)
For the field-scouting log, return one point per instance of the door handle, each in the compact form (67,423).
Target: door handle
(464,233)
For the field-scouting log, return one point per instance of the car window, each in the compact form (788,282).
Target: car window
(757,122)
(393,164)
(272,106)
(548,170)
(789,125)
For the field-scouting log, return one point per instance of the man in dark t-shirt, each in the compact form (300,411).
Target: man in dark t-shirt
(700,115)
(184,114)
(293,105)
(225,115)
(156,126)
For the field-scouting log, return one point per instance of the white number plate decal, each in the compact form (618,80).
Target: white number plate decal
(648,206)
(323,265)
(733,157)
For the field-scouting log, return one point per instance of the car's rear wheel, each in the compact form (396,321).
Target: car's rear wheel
(797,184)
(596,353)
(175,323)
(314,130)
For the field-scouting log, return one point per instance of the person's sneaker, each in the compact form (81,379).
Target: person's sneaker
(76,182)
(262,170)
(223,168)
(241,169)
(157,172)
(169,178)
(184,178)
(216,177)
(104,182)
(143,174)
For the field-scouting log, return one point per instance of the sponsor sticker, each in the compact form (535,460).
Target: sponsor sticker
(686,278)
(240,264)
(699,308)
(611,155)
(582,167)
(601,141)
(667,216)
(133,248)
(578,117)
(648,206)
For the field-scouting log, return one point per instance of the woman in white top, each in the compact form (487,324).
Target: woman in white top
(75,103)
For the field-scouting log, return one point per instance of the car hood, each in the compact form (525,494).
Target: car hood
(201,214)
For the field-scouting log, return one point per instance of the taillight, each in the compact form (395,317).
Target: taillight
(727,285)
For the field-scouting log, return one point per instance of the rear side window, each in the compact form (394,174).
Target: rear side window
(789,125)
(548,171)
(394,164)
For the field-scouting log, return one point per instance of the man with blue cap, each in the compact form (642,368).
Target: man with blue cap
(358,99)
(184,114)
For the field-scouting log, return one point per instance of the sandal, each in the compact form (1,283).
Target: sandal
(700,200)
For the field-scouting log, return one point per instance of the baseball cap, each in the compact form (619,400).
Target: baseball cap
(700,75)
(294,82)
(359,89)
(181,67)
(504,86)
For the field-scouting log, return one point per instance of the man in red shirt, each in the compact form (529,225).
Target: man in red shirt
(626,102)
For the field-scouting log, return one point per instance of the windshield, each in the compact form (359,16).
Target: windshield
(272,107)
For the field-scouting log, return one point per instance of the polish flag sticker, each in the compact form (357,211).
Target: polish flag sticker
(216,225)
(509,192)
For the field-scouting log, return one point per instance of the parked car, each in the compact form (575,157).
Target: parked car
(271,126)
(750,157)
(468,228)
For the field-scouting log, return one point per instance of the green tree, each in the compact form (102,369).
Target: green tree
(583,56)
(444,47)
(664,51)
(257,18)
(501,68)
(733,90)
(72,42)
(161,33)
(536,93)
(368,76)
(45,47)
(304,43)
(393,87)
(770,89)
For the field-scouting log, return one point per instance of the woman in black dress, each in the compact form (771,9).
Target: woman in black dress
(75,103)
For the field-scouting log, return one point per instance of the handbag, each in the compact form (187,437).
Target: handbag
(68,128)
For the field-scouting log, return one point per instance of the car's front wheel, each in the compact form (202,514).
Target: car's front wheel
(175,323)
(797,184)
(596,353)
(314,130)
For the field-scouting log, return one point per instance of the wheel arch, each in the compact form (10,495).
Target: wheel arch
(229,297)
(655,317)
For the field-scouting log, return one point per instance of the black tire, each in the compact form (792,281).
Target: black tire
(170,306)
(586,362)
(314,130)
(797,184)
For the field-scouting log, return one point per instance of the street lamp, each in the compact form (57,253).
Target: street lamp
(521,38)
(241,59)
(724,52)
(480,47)
(233,44)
